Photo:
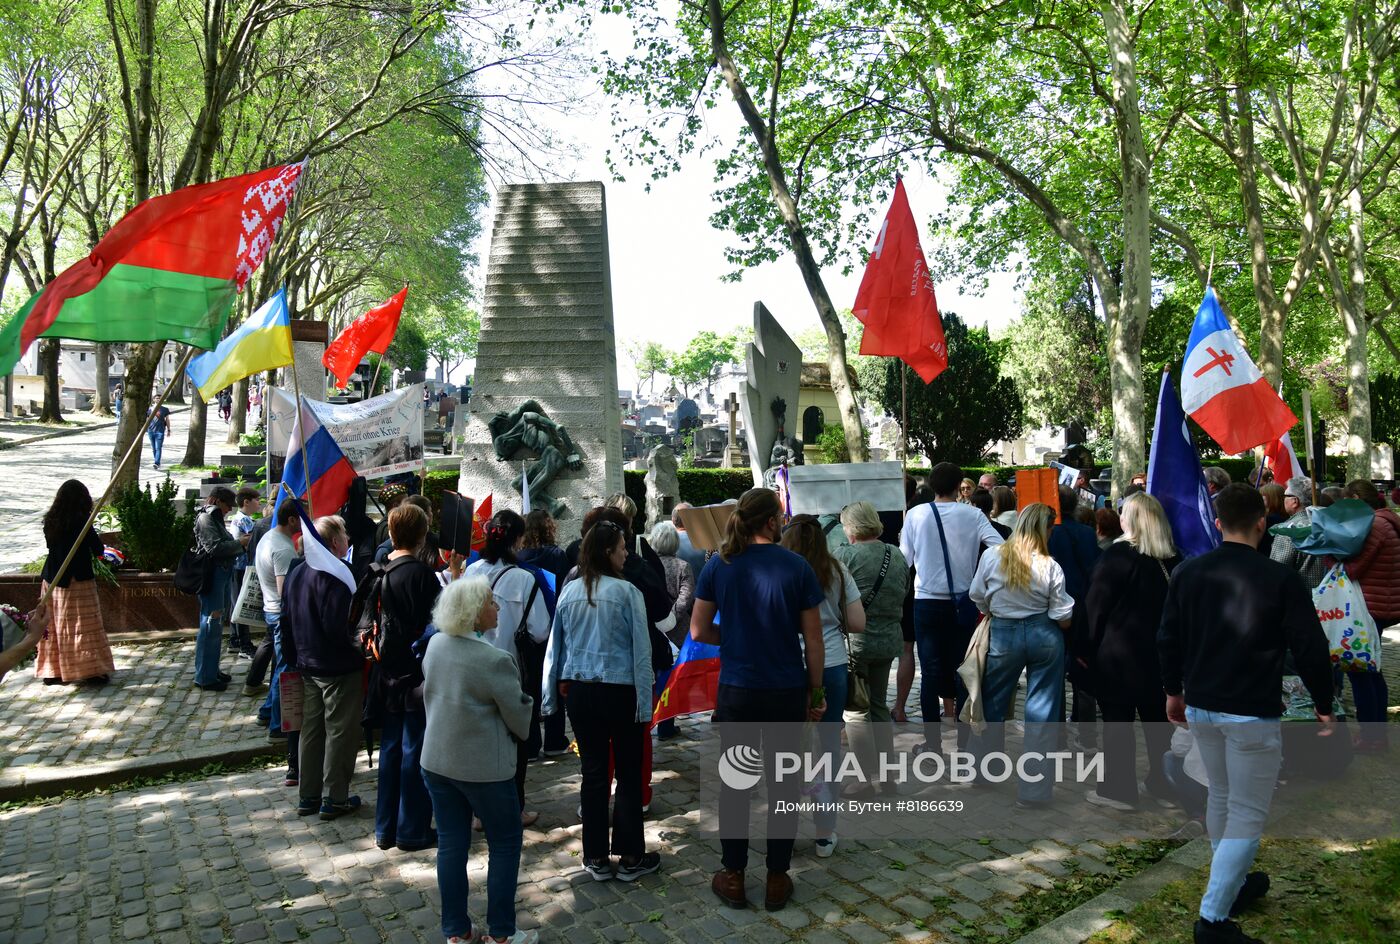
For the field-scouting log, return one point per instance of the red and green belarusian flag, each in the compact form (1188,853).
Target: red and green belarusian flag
(168,271)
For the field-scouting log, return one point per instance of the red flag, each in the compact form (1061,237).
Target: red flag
(480,515)
(895,302)
(372,331)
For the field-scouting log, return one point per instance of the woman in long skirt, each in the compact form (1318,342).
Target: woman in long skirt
(76,649)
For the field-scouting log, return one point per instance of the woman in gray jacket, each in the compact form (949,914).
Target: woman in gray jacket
(476,712)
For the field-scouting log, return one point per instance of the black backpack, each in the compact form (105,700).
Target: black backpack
(382,639)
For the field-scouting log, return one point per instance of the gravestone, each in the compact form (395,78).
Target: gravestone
(544,397)
(309,341)
(663,485)
(687,416)
(774,372)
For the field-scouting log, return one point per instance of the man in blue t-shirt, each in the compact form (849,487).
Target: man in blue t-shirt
(771,600)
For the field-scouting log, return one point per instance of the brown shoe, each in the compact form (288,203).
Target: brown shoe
(777,892)
(728,885)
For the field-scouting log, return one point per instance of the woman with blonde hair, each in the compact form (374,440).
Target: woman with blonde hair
(1119,650)
(1021,587)
(965,489)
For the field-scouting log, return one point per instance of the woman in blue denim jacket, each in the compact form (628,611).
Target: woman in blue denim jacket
(600,656)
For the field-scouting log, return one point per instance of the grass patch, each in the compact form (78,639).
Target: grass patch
(1324,891)
(186,469)
(1320,895)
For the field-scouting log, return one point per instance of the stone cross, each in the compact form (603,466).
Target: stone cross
(733,407)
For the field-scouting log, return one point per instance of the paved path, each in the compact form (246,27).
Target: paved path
(29,475)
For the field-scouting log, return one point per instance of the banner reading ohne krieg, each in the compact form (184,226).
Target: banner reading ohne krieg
(381,436)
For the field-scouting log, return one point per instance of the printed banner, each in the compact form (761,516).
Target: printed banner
(381,436)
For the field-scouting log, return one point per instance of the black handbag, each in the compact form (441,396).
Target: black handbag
(194,574)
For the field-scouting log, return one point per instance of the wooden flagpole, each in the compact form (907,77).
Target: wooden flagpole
(296,392)
(107,493)
(904,412)
(1307,429)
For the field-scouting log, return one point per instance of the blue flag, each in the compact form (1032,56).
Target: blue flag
(1175,479)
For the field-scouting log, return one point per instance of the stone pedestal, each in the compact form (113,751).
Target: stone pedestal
(547,336)
(774,365)
(309,341)
(663,485)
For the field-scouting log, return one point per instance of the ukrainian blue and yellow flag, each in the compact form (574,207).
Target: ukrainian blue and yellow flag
(263,342)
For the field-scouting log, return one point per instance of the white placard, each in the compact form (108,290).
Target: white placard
(381,436)
(826,489)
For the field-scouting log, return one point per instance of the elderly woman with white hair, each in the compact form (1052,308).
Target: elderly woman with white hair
(680,585)
(1118,648)
(882,575)
(476,712)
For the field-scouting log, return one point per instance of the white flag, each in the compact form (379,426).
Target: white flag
(524,488)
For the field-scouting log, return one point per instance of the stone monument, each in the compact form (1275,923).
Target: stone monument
(774,367)
(663,485)
(309,341)
(544,403)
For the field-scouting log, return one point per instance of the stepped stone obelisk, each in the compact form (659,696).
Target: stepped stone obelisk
(545,387)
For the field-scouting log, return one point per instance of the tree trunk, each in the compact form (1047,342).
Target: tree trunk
(764,136)
(102,399)
(238,421)
(52,411)
(199,423)
(141,364)
(1351,300)
(1135,296)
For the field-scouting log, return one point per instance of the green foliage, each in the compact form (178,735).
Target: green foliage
(257,438)
(700,363)
(409,349)
(698,486)
(1385,408)
(154,532)
(1057,353)
(967,407)
(832,443)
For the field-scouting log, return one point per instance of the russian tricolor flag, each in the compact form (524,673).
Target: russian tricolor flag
(1223,391)
(316,470)
(691,685)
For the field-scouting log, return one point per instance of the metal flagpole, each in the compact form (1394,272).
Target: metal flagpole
(107,493)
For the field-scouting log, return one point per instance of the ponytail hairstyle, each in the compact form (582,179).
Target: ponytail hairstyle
(502,531)
(1031,537)
(804,536)
(593,555)
(756,508)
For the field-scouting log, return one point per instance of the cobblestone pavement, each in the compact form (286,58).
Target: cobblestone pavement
(149,707)
(29,475)
(224,859)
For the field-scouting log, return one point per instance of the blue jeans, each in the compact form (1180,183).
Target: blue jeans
(941,643)
(495,804)
(212,608)
(404,809)
(1369,692)
(1241,755)
(1037,645)
(157,444)
(273,703)
(836,680)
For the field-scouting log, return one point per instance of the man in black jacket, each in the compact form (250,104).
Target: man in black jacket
(318,639)
(1230,617)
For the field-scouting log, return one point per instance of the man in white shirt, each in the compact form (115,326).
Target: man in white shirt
(276,552)
(939,634)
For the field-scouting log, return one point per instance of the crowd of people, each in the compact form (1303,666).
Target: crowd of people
(470,669)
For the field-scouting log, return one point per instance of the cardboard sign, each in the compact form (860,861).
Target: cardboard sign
(290,687)
(706,525)
(1038,485)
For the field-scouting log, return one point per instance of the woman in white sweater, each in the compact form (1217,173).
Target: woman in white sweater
(477,712)
(1021,587)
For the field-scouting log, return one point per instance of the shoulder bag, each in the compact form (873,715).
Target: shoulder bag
(966,611)
(858,686)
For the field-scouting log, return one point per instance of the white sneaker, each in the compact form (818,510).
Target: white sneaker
(826,847)
(1093,797)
